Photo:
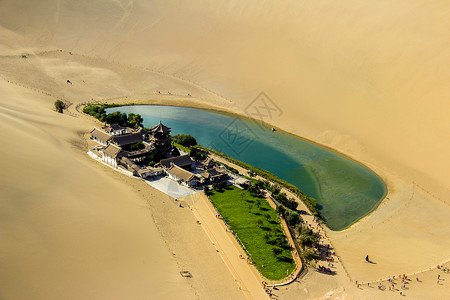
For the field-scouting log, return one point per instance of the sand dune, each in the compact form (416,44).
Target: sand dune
(369,79)
(373,73)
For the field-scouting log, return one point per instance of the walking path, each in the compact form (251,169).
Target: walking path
(246,276)
(287,232)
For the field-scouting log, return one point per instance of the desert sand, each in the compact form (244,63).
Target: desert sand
(369,80)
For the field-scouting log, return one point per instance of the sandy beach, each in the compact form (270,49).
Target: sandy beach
(369,80)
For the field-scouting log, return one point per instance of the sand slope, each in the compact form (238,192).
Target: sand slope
(66,227)
(71,228)
(369,79)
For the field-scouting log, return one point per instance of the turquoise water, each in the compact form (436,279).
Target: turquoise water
(345,190)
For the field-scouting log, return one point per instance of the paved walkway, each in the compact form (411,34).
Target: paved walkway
(170,187)
(245,275)
(290,238)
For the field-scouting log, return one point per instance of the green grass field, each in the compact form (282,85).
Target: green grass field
(258,227)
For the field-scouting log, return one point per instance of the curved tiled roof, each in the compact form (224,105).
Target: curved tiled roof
(112,150)
(127,139)
(181,173)
(160,128)
(100,135)
(181,161)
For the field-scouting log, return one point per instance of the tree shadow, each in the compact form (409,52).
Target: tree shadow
(285,259)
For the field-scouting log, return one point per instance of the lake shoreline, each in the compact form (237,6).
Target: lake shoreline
(374,176)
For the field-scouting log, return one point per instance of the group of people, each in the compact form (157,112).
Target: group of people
(325,269)
(404,280)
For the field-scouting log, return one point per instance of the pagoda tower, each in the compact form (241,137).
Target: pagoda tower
(160,138)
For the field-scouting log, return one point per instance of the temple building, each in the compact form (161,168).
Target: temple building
(159,136)
(182,176)
(129,149)
(183,161)
(111,154)
(100,136)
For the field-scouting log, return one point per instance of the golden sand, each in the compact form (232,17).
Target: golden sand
(369,79)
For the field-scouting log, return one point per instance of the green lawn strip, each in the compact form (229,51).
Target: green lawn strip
(186,149)
(234,206)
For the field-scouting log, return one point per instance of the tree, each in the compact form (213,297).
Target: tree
(222,184)
(281,210)
(59,106)
(95,110)
(310,256)
(275,189)
(135,120)
(308,240)
(206,189)
(215,185)
(197,154)
(117,118)
(154,156)
(186,140)
(259,184)
(292,217)
(253,190)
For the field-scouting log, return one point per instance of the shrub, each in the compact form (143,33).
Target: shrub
(254,191)
(197,154)
(59,106)
(135,146)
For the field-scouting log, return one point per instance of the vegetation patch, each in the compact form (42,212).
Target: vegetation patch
(60,106)
(185,140)
(125,120)
(257,227)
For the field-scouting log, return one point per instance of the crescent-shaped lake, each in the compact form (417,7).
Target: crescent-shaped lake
(345,190)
